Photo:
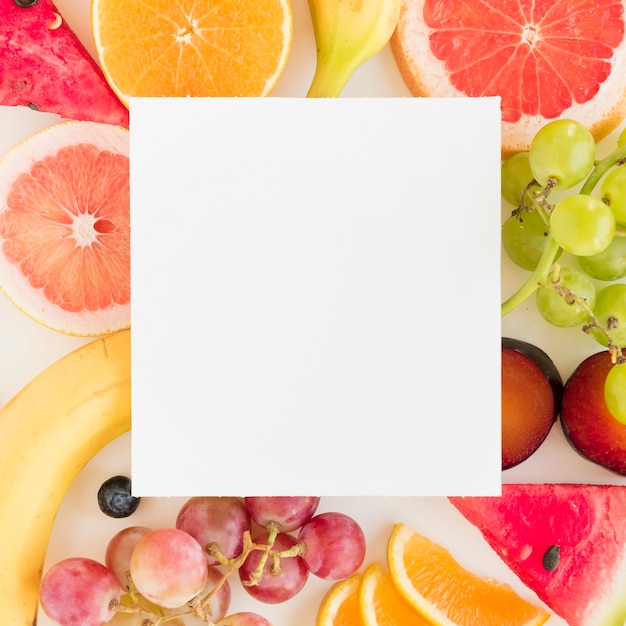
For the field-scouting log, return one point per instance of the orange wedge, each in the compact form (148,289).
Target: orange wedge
(189,48)
(381,604)
(340,606)
(430,579)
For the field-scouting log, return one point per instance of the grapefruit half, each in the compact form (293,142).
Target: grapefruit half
(545,58)
(65,227)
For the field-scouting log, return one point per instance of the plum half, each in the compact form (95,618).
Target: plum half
(531,399)
(587,423)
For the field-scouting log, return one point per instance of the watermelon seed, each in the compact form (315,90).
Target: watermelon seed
(55,22)
(25,4)
(551,558)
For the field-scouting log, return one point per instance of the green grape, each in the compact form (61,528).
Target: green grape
(615,392)
(610,311)
(582,224)
(608,265)
(524,238)
(515,178)
(613,192)
(563,150)
(621,140)
(559,309)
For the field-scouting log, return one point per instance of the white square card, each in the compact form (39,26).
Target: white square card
(316,293)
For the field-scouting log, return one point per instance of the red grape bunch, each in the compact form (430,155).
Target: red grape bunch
(164,575)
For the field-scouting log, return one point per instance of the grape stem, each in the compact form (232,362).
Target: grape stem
(572,298)
(539,276)
(617,157)
(273,529)
(551,250)
(199,606)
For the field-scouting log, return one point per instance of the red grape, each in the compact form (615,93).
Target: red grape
(168,567)
(335,545)
(289,511)
(79,592)
(244,619)
(275,587)
(119,549)
(220,520)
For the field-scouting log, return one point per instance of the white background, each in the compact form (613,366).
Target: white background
(26,348)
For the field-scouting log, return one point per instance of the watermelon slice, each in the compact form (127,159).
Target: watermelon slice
(43,65)
(566,542)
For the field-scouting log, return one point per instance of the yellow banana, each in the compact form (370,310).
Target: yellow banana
(48,432)
(348,33)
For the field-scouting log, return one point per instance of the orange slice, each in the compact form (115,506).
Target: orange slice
(190,48)
(431,580)
(381,604)
(340,606)
(65,227)
(562,58)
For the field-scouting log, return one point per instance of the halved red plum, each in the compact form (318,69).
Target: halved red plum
(587,423)
(531,399)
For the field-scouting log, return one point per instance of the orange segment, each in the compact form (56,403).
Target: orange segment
(381,604)
(189,48)
(430,579)
(340,606)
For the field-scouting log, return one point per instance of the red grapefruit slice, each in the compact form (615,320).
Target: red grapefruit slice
(545,59)
(46,67)
(65,227)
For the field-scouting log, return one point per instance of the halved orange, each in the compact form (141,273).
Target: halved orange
(436,585)
(189,48)
(340,606)
(381,604)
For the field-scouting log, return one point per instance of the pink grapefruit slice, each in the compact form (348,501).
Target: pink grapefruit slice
(545,58)
(65,227)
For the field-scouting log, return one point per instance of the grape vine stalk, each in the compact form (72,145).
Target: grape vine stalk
(585,223)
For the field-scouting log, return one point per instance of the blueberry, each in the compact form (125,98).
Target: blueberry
(114,498)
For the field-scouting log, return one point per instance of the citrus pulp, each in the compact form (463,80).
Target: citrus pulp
(65,227)
(381,604)
(340,605)
(549,59)
(436,585)
(188,48)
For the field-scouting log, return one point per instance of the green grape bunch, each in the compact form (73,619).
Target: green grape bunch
(565,200)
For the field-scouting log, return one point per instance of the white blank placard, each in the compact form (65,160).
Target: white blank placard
(316,292)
